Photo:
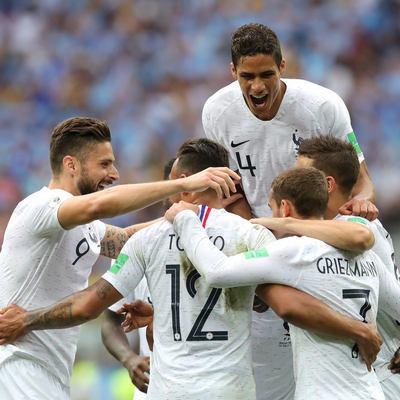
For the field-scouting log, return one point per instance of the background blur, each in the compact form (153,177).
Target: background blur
(147,67)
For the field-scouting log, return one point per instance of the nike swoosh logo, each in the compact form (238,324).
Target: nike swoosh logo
(239,144)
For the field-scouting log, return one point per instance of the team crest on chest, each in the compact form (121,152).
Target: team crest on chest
(297,142)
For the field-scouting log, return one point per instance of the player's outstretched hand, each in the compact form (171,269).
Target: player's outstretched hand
(12,324)
(221,179)
(360,207)
(176,208)
(137,366)
(394,365)
(138,314)
(370,345)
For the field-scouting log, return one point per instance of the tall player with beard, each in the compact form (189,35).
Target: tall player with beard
(261,119)
(53,239)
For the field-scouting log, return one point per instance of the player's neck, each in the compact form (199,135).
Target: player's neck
(63,184)
(335,202)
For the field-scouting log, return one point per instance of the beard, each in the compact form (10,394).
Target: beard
(85,185)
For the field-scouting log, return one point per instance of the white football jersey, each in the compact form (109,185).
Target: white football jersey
(388,327)
(40,263)
(201,334)
(261,150)
(351,283)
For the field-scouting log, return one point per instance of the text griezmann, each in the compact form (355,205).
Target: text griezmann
(341,266)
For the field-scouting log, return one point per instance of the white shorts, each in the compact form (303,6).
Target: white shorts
(22,379)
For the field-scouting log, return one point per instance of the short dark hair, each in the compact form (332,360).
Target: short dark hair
(77,137)
(168,167)
(334,157)
(252,39)
(196,155)
(305,187)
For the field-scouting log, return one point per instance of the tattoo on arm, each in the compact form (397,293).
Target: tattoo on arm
(114,240)
(65,312)
(130,231)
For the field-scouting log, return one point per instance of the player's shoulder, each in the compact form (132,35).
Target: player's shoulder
(306,91)
(42,198)
(222,99)
(151,235)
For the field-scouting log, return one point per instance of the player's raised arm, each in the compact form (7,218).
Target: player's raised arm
(123,199)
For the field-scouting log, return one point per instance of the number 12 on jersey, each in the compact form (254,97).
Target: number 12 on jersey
(196,333)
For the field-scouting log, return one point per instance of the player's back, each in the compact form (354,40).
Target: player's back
(201,334)
(328,367)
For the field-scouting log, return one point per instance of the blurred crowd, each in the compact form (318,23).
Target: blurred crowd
(147,67)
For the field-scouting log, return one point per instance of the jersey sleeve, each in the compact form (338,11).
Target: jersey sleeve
(120,303)
(342,128)
(257,236)
(128,269)
(40,218)
(218,270)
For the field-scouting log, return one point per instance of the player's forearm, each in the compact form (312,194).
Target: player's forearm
(63,314)
(131,230)
(114,337)
(344,235)
(75,309)
(364,188)
(116,201)
(307,312)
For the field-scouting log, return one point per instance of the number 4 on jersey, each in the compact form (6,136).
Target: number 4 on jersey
(249,165)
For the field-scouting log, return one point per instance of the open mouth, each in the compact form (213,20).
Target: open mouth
(259,101)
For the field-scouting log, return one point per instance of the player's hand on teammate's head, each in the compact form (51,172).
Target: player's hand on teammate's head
(176,208)
(394,365)
(221,179)
(138,314)
(370,345)
(12,324)
(360,207)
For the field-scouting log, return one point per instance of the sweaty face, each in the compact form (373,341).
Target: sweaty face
(259,79)
(98,171)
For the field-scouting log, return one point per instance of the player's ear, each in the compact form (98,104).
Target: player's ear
(285,208)
(330,180)
(189,197)
(282,67)
(233,71)
(71,164)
